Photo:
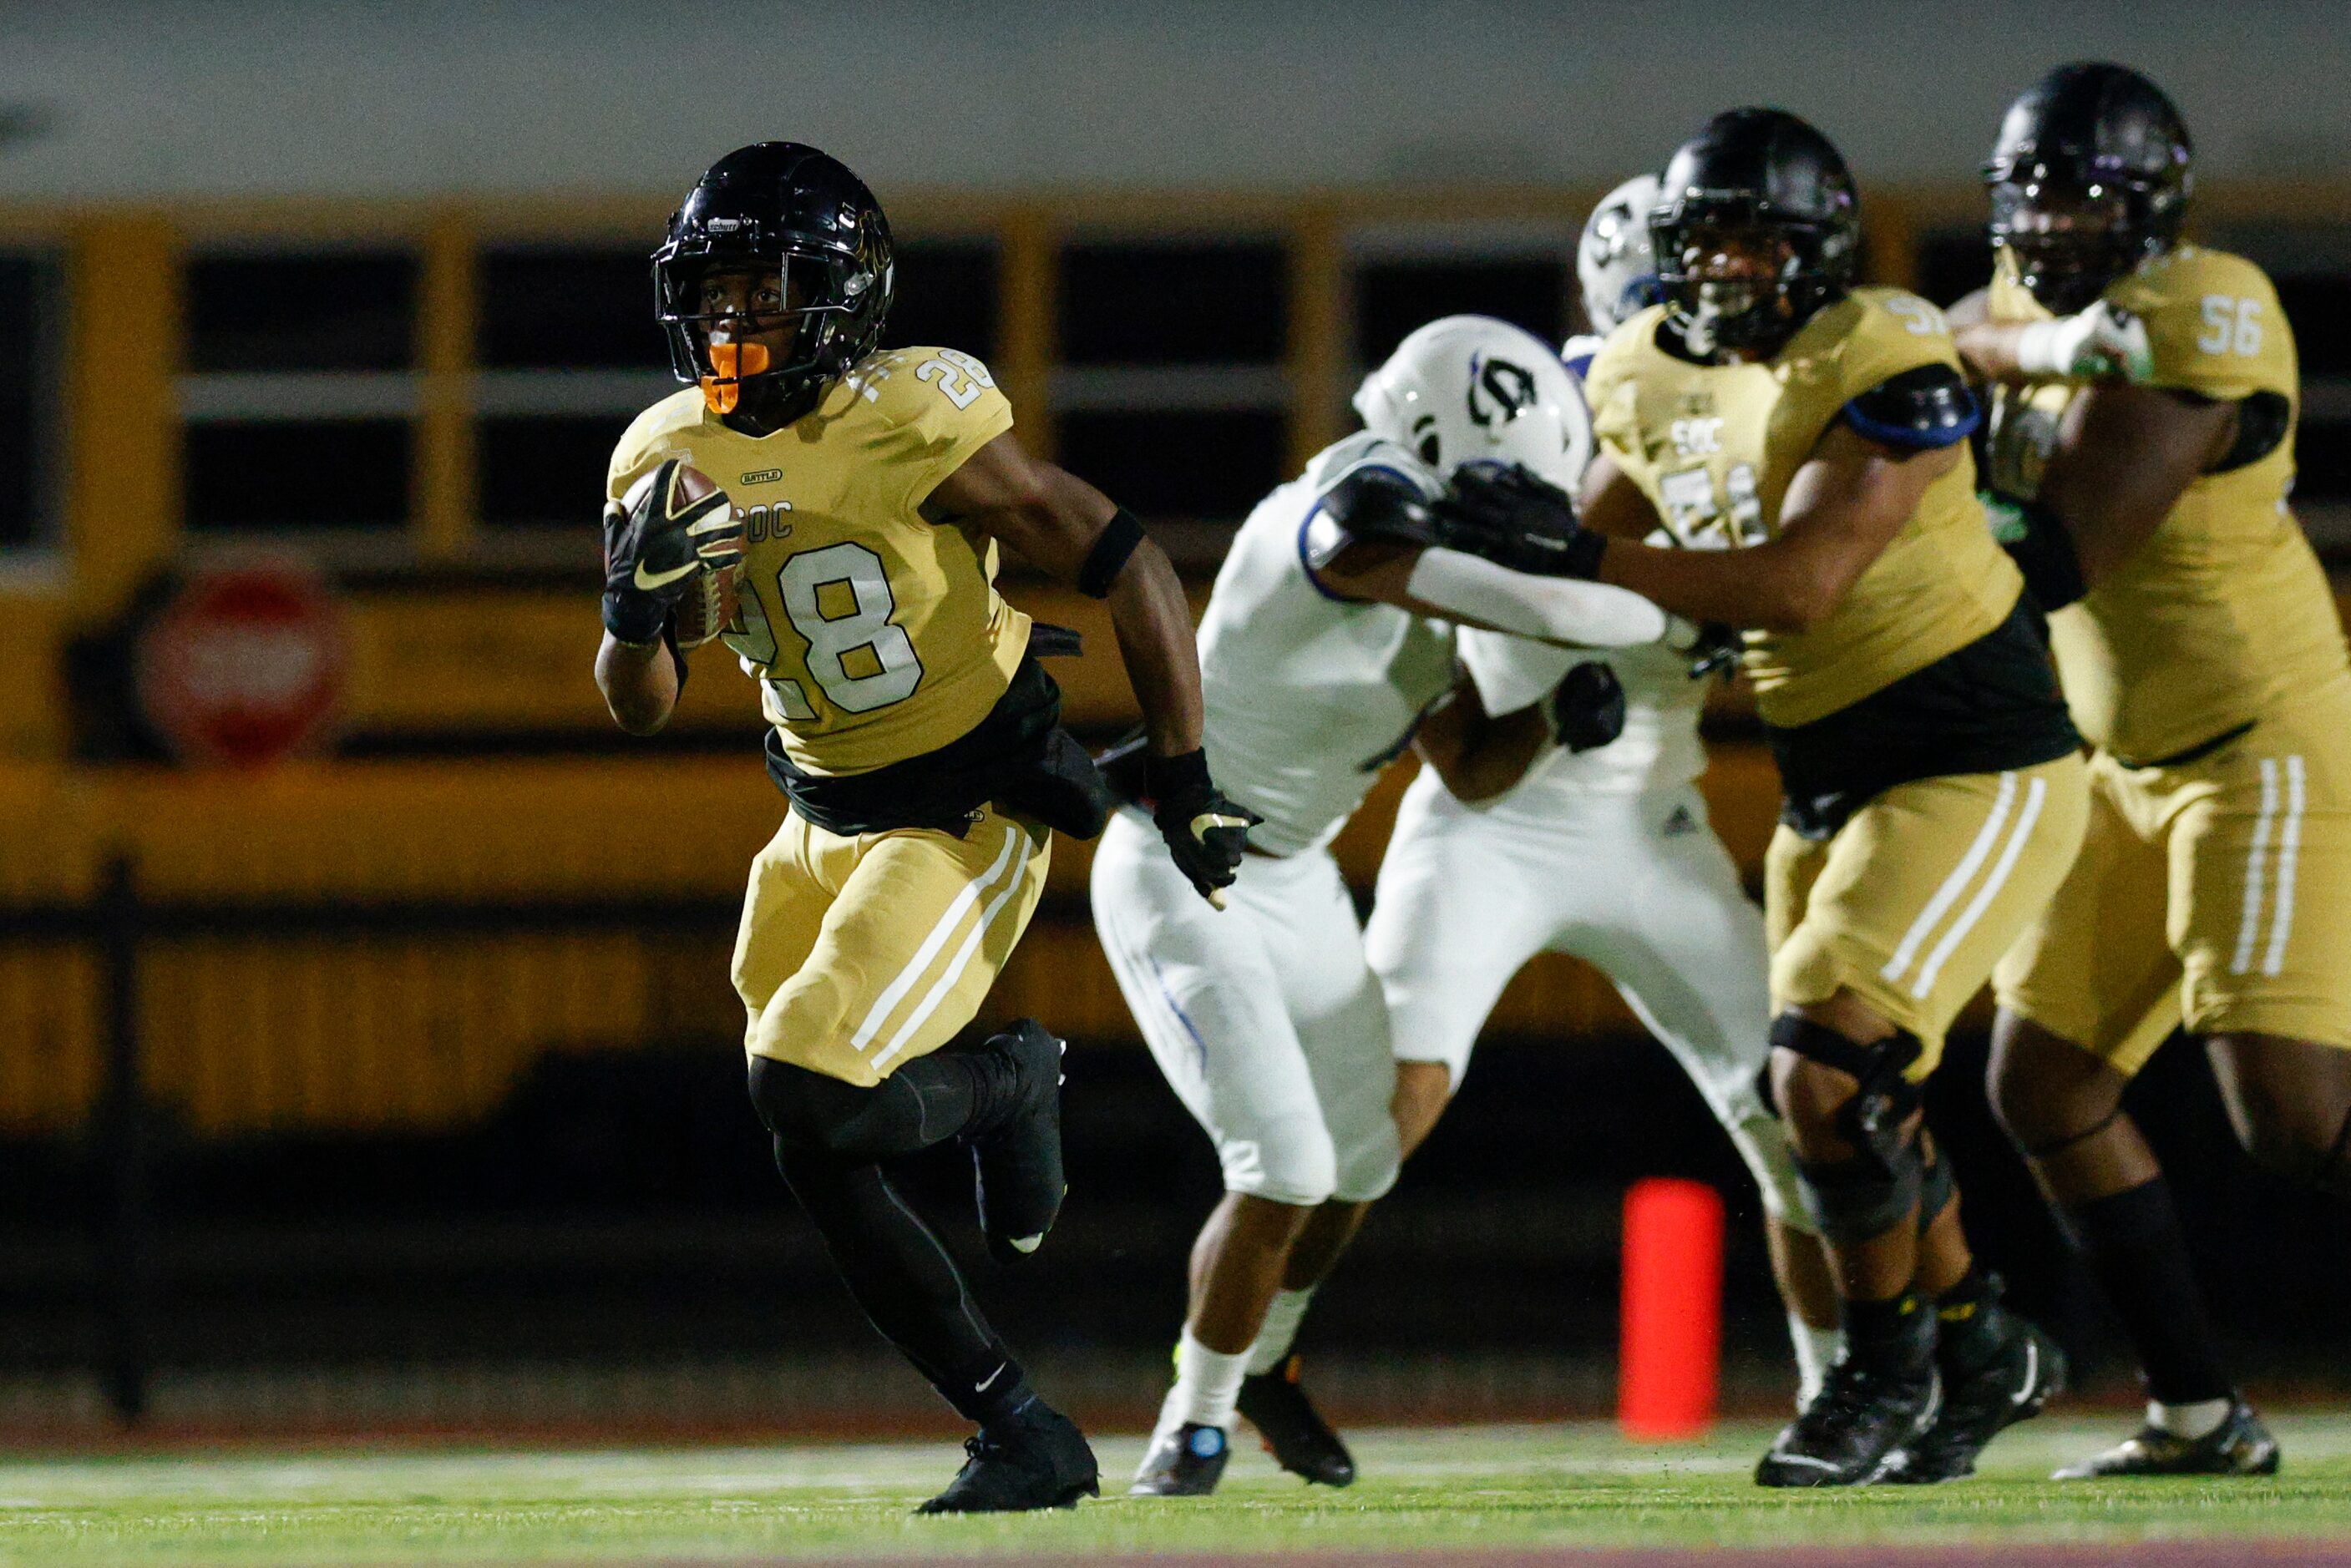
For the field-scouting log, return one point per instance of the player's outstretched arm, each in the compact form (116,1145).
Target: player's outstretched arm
(1058,523)
(1373,540)
(2124,457)
(1843,508)
(1072,532)
(2100,343)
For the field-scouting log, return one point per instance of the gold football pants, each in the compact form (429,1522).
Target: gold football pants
(2215,893)
(1911,904)
(859,953)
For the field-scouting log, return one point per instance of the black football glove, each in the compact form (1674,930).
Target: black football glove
(1586,709)
(1204,831)
(654,549)
(1513,519)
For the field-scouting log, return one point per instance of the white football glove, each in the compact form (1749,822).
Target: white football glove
(2102,342)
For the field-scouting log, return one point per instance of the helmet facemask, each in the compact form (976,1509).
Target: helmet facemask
(1740,280)
(2070,240)
(778,335)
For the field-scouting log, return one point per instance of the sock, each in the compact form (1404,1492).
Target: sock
(1279,1331)
(2133,1242)
(1816,1352)
(1969,1330)
(1207,1383)
(1895,1335)
(2189,1420)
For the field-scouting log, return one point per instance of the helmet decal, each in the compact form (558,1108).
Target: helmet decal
(1509,390)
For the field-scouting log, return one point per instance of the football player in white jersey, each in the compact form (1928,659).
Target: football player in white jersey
(1600,849)
(1328,636)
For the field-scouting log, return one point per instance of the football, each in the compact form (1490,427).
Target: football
(710,602)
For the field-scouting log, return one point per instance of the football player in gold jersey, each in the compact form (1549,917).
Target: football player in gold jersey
(2141,449)
(864,497)
(1803,443)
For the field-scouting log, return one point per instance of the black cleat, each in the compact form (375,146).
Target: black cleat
(2239,1446)
(1035,1458)
(2023,1374)
(1018,1167)
(1859,1417)
(1295,1434)
(1185,1463)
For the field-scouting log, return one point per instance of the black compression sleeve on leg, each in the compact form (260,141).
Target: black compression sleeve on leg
(928,1101)
(910,1289)
(2133,1242)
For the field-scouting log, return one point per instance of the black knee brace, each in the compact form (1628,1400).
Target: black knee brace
(1937,1186)
(1859,1199)
(1884,1100)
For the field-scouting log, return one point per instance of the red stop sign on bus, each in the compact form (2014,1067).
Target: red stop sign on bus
(246,664)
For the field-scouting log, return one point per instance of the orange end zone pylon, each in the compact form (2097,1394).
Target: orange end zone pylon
(1670,1363)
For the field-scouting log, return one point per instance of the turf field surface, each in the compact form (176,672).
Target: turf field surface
(1495,1497)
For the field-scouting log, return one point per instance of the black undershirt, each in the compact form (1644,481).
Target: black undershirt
(1986,708)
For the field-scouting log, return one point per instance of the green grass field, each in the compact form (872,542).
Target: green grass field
(1428,1491)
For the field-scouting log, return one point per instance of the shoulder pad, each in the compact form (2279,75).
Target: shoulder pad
(1929,406)
(1341,457)
(1372,501)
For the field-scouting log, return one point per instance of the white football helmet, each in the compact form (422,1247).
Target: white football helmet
(1615,261)
(1470,388)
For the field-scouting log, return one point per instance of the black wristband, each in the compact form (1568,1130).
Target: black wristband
(1116,541)
(1584,549)
(634,618)
(1166,776)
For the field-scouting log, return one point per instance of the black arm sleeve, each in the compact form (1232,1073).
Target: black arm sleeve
(2043,549)
(1919,409)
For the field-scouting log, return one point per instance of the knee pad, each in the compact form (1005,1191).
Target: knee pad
(1860,1199)
(1883,1100)
(1290,1161)
(1368,1166)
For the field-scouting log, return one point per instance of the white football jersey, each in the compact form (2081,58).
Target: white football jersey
(1308,696)
(1659,748)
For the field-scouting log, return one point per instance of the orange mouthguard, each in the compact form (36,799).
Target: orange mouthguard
(730,364)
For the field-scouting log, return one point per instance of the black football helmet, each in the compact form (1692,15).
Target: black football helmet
(2090,176)
(1760,179)
(784,205)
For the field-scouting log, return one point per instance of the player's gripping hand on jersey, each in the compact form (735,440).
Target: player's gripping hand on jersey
(1512,518)
(2105,342)
(673,526)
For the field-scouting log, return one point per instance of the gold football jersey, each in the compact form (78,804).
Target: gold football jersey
(1715,446)
(875,635)
(2225,610)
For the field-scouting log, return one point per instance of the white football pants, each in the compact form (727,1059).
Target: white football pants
(1635,884)
(1264,1016)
